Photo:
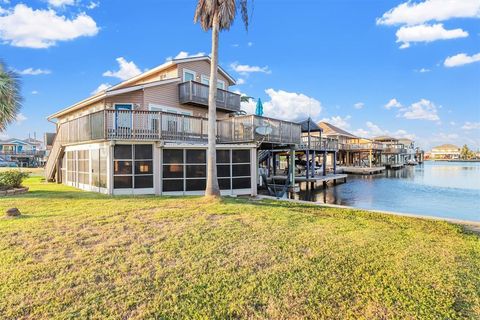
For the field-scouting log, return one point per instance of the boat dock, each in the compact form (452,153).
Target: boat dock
(394,166)
(362,170)
(316,179)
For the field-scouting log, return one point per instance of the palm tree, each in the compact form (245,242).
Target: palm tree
(10,100)
(216,15)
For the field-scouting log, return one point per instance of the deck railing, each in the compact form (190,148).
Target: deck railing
(361,146)
(197,93)
(250,128)
(156,125)
(317,143)
(37,153)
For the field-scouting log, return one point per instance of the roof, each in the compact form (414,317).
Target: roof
(308,124)
(127,85)
(385,138)
(330,129)
(447,146)
(16,141)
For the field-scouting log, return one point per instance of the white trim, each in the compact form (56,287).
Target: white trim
(126,103)
(111,92)
(185,70)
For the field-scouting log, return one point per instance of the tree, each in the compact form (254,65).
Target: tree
(466,153)
(10,100)
(216,15)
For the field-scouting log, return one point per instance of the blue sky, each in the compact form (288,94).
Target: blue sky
(371,67)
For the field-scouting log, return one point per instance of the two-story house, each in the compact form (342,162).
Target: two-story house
(148,135)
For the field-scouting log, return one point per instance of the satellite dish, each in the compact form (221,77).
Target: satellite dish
(263,130)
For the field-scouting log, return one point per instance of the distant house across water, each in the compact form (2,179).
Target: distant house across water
(445,152)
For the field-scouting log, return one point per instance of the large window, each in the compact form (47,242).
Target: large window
(133,166)
(186,169)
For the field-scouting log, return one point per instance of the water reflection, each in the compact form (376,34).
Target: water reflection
(439,189)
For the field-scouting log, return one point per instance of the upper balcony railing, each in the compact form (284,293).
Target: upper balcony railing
(155,125)
(197,93)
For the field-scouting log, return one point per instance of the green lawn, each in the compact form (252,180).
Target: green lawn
(83,255)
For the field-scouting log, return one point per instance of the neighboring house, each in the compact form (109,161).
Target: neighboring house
(25,152)
(148,135)
(353,150)
(445,152)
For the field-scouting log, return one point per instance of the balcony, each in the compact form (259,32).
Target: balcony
(192,92)
(155,126)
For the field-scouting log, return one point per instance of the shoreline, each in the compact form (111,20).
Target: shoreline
(470,225)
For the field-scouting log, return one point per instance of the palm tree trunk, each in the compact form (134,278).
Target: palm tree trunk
(212,188)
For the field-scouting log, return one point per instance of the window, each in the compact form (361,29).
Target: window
(206,80)
(133,166)
(189,75)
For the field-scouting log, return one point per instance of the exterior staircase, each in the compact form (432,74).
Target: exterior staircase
(56,153)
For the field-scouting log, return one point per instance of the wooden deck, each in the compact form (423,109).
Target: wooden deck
(316,179)
(361,170)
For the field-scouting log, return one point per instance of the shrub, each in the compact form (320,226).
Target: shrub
(12,179)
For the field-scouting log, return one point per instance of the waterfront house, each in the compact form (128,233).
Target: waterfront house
(23,152)
(445,152)
(148,135)
(353,151)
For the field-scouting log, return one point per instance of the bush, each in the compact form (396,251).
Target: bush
(12,179)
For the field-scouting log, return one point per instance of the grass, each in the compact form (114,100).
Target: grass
(83,255)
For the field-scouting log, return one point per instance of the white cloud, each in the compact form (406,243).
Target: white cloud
(359,105)
(374,130)
(338,121)
(127,70)
(426,33)
(393,103)
(20,118)
(250,44)
(412,13)
(240,81)
(287,105)
(423,70)
(60,3)
(471,126)
(92,5)
(34,92)
(453,123)
(421,110)
(460,60)
(101,87)
(33,72)
(246,69)
(26,27)
(185,54)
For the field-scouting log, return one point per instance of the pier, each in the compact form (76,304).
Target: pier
(315,179)
(362,170)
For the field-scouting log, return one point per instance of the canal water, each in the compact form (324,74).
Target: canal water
(441,189)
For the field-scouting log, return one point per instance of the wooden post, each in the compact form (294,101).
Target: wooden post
(292,166)
(335,162)
(325,163)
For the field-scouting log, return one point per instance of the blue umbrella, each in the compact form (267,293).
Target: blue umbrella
(259,109)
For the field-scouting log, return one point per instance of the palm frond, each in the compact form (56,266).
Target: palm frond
(10,99)
(226,10)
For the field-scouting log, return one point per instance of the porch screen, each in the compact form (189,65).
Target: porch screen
(133,166)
